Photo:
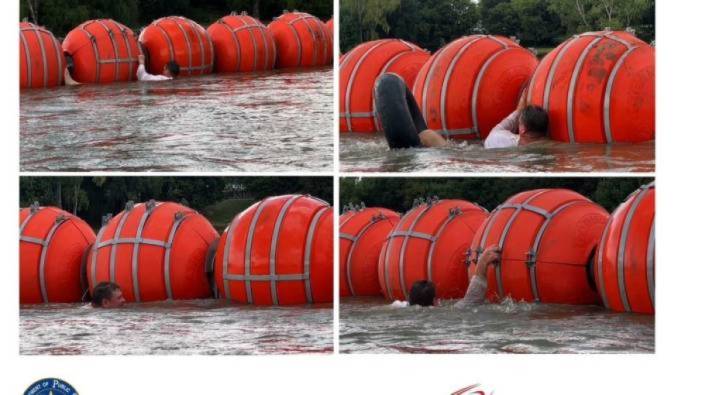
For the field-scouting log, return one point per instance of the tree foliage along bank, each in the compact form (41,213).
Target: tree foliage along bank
(537,23)
(61,16)
(92,197)
(399,194)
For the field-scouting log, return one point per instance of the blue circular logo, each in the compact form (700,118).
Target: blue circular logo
(50,386)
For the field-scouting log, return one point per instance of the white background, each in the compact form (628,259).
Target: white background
(675,367)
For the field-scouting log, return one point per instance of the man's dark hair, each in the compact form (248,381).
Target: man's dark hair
(173,68)
(535,119)
(422,293)
(103,291)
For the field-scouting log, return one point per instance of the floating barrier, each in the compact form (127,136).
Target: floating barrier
(361,236)
(242,43)
(548,239)
(429,243)
(358,71)
(41,60)
(154,251)
(625,260)
(471,84)
(178,39)
(302,40)
(53,243)
(278,252)
(598,87)
(330,30)
(102,51)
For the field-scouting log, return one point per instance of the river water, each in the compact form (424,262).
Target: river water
(211,327)
(362,153)
(373,326)
(274,121)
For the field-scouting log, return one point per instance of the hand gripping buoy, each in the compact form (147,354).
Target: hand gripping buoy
(103,51)
(153,251)
(471,84)
(181,40)
(548,239)
(598,87)
(429,243)
(242,43)
(361,235)
(41,60)
(625,261)
(302,40)
(53,244)
(278,252)
(398,112)
(358,71)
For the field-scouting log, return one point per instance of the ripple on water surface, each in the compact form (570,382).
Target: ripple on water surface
(192,327)
(273,121)
(359,153)
(371,325)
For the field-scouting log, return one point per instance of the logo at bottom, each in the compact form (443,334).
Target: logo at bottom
(50,386)
(471,390)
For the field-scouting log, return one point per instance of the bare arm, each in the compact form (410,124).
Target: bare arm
(430,138)
(478,283)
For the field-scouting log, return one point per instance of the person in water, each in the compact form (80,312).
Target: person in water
(423,292)
(170,71)
(525,124)
(107,295)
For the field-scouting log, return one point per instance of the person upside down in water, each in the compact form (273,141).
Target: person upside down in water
(525,124)
(423,292)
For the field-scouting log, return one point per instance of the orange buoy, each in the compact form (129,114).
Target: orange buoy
(302,40)
(548,239)
(471,84)
(103,51)
(625,261)
(154,251)
(181,40)
(41,60)
(242,43)
(278,252)
(361,235)
(598,87)
(53,243)
(429,243)
(330,30)
(358,70)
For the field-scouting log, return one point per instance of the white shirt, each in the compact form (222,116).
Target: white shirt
(502,136)
(143,75)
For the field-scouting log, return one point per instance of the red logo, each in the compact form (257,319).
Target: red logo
(472,390)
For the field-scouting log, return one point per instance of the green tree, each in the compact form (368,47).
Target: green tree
(361,20)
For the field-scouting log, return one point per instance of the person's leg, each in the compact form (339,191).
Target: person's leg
(398,112)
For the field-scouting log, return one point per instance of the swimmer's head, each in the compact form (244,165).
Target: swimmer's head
(171,69)
(107,295)
(422,293)
(534,120)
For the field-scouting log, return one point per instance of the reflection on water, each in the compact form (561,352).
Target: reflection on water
(361,153)
(273,121)
(193,327)
(370,325)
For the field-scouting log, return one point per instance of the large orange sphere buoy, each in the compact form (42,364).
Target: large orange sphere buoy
(361,236)
(471,84)
(278,252)
(242,43)
(153,251)
(103,51)
(360,67)
(181,40)
(429,243)
(53,244)
(41,60)
(548,239)
(598,87)
(302,40)
(330,30)
(625,260)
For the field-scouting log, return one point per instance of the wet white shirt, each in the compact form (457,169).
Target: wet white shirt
(143,75)
(502,136)
(475,294)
